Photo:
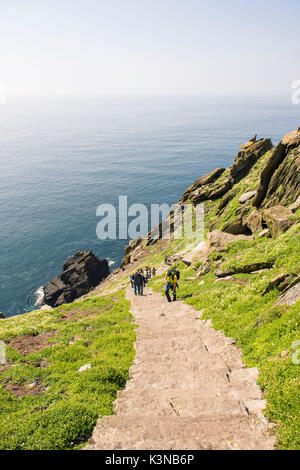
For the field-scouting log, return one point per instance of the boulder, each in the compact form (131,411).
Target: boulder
(204,268)
(290,297)
(198,253)
(295,206)
(264,233)
(85,368)
(254,221)
(276,282)
(80,274)
(217,240)
(246,269)
(247,157)
(187,262)
(278,218)
(236,227)
(247,196)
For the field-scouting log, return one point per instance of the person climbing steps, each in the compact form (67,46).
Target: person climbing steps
(172,276)
(138,283)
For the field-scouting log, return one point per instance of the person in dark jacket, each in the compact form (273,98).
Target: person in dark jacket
(138,283)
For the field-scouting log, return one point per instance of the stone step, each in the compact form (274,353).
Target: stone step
(180,340)
(227,360)
(178,402)
(175,333)
(222,432)
(171,368)
(183,379)
(240,392)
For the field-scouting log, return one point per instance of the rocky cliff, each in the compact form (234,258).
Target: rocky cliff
(80,274)
(258,194)
(243,279)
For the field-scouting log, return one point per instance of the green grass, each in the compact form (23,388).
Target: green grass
(65,413)
(262,331)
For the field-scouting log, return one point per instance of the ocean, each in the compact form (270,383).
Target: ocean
(61,159)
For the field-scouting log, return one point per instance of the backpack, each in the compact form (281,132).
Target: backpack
(172,273)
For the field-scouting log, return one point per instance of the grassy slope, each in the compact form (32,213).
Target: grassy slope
(64,414)
(237,308)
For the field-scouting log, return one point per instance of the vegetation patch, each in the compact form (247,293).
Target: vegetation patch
(264,333)
(45,403)
(25,344)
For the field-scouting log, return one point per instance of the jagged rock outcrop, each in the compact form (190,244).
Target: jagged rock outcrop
(284,187)
(278,218)
(247,269)
(133,244)
(210,187)
(249,143)
(1,315)
(295,206)
(131,251)
(280,177)
(248,157)
(291,296)
(81,273)
(203,181)
(204,268)
(279,185)
(278,282)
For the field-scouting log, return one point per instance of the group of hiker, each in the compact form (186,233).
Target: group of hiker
(140,278)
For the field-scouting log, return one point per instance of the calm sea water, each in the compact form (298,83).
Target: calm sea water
(60,160)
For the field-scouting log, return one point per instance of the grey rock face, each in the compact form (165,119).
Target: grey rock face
(80,274)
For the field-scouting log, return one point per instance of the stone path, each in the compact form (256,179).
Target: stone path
(188,387)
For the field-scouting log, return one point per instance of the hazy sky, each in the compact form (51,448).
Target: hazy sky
(148,47)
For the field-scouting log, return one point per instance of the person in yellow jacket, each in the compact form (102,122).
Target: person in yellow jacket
(171,278)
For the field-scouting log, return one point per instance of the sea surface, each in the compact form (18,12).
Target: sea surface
(61,159)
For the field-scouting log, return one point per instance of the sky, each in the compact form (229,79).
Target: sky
(87,48)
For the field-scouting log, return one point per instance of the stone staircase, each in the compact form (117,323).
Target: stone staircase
(188,388)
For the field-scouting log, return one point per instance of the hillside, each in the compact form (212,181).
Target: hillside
(245,277)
